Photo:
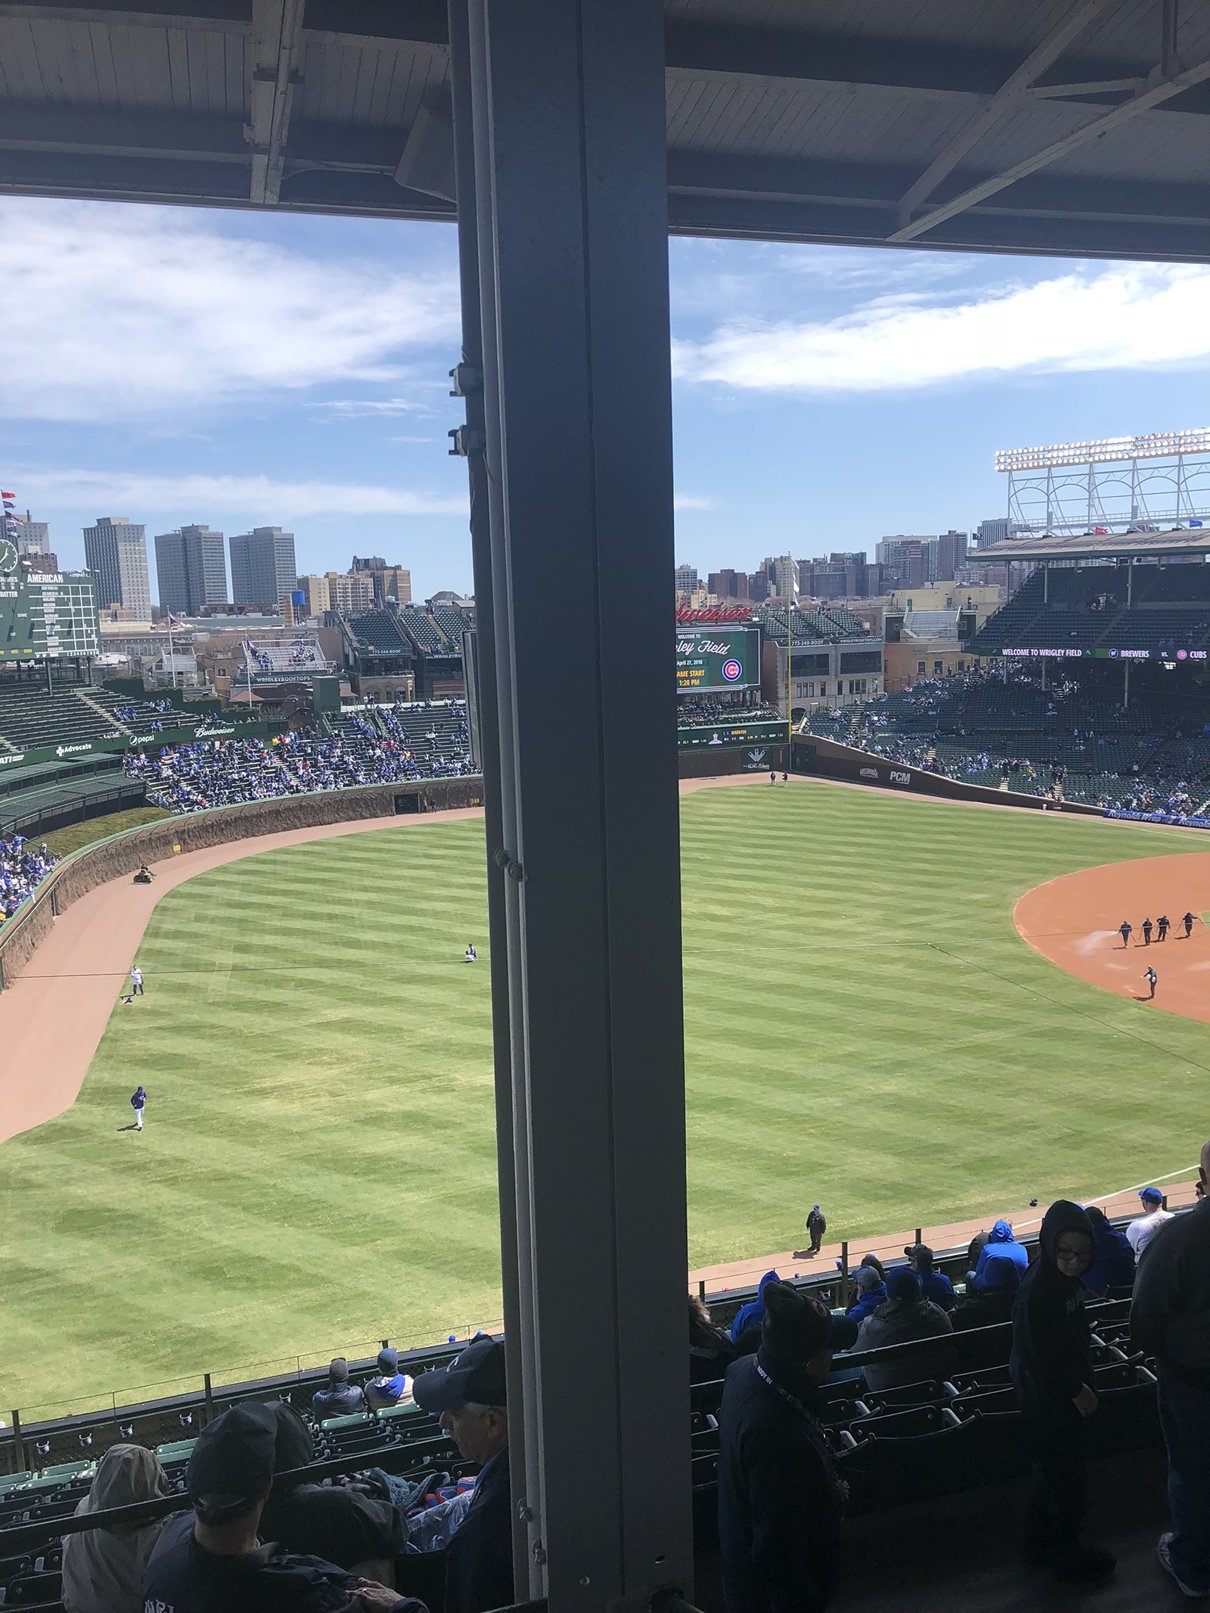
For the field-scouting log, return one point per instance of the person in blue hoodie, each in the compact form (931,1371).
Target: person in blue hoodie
(752,1314)
(871,1292)
(1113,1258)
(935,1286)
(390,1386)
(1051,1369)
(1002,1264)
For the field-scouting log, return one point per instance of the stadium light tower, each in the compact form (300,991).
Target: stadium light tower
(1162,478)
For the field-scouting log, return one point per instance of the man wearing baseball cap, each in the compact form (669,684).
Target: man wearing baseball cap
(469,1398)
(1144,1227)
(211,1560)
(780,1498)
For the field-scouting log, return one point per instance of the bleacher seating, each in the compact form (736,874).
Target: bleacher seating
(452,624)
(299,655)
(30,717)
(1086,608)
(378,631)
(421,631)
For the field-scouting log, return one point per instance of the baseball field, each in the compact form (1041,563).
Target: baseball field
(864,1027)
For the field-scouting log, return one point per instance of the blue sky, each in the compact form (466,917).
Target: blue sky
(178,365)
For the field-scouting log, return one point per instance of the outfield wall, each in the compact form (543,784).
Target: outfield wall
(824,758)
(121,855)
(717,763)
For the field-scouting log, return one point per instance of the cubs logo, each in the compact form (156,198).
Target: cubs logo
(732,671)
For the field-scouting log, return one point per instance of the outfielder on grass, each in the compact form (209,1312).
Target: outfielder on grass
(138,1101)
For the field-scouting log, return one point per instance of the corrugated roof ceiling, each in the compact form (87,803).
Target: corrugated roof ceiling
(835,120)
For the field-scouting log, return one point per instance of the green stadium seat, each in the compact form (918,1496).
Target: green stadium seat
(406,1408)
(178,1451)
(331,1424)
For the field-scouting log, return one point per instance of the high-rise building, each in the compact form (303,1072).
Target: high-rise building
(115,550)
(263,568)
(946,555)
(782,573)
(351,591)
(728,584)
(995,531)
(31,537)
(191,569)
(686,580)
(390,582)
(758,585)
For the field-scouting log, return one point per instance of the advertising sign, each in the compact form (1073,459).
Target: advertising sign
(762,732)
(710,659)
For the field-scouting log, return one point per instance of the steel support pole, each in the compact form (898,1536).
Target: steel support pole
(469,382)
(566,119)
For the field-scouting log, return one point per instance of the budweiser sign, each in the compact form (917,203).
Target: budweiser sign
(714,613)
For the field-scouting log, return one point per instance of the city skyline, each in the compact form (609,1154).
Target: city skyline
(243,370)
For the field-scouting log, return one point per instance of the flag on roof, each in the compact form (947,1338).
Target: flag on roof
(3,494)
(1197,523)
(1100,531)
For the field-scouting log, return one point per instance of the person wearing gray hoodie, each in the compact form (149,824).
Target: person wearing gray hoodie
(103,1568)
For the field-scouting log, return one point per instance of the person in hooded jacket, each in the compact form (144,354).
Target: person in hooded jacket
(871,1292)
(903,1316)
(1113,1258)
(752,1315)
(780,1499)
(1002,1264)
(390,1386)
(1051,1369)
(103,1568)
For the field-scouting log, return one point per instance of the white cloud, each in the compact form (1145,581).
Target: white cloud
(1126,317)
(355,408)
(692,501)
(252,498)
(128,312)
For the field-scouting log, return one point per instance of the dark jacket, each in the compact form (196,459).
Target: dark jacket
(935,1285)
(1170,1316)
(334,1522)
(780,1502)
(183,1577)
(1051,1351)
(896,1322)
(1113,1259)
(479,1559)
(817,1222)
(338,1400)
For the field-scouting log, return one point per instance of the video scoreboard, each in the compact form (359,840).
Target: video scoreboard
(45,615)
(709,659)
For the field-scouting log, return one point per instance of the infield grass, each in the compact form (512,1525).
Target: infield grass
(864,1028)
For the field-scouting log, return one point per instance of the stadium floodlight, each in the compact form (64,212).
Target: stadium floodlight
(1104,450)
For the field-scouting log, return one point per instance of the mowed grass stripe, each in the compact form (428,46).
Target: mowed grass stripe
(863,1027)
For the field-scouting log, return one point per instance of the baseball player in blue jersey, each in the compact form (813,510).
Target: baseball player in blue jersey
(138,1101)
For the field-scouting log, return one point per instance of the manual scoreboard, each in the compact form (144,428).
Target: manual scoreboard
(45,615)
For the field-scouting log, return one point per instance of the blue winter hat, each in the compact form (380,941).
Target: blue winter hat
(1151,1195)
(902,1283)
(388,1363)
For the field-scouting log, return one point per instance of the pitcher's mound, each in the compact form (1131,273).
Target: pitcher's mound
(1074,921)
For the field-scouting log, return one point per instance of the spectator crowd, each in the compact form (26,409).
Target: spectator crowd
(223,772)
(22,870)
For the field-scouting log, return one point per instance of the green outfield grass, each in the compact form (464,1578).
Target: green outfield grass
(864,1028)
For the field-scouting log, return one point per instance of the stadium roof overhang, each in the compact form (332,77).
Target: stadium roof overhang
(1072,126)
(1098,546)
